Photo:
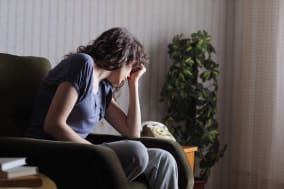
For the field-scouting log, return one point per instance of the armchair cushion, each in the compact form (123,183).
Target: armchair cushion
(20,77)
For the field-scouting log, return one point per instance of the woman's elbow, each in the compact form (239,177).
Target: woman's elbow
(50,128)
(47,129)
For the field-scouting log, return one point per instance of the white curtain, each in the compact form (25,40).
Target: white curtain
(255,157)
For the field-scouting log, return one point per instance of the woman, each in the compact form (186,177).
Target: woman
(77,93)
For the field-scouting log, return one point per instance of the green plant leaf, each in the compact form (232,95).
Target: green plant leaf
(190,96)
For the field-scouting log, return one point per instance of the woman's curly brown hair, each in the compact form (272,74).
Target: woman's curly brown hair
(115,47)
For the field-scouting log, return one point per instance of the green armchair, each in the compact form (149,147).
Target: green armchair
(70,165)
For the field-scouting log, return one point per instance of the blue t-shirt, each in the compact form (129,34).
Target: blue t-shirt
(89,108)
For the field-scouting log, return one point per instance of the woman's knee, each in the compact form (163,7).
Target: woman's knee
(139,154)
(130,152)
(133,156)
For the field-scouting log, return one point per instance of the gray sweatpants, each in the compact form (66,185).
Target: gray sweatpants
(158,165)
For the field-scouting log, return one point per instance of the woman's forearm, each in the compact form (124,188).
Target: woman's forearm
(63,132)
(134,112)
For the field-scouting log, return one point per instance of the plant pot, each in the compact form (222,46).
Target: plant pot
(199,183)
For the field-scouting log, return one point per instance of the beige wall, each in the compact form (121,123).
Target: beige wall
(52,28)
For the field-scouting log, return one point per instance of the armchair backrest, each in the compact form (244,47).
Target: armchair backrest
(20,77)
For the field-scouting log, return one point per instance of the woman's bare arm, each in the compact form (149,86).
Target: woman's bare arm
(128,125)
(55,123)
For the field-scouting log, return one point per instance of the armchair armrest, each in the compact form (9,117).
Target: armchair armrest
(186,178)
(70,165)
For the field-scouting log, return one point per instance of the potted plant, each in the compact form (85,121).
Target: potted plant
(190,95)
